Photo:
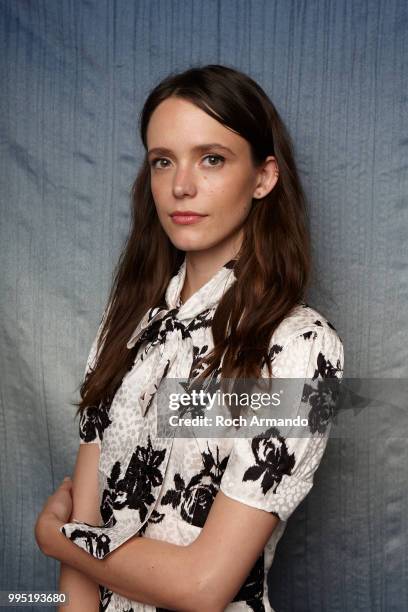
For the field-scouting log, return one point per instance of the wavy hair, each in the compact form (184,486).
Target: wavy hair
(274,262)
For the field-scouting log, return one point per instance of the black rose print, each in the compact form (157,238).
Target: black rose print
(143,473)
(195,499)
(272,460)
(109,495)
(105,595)
(157,330)
(147,396)
(93,421)
(274,350)
(93,542)
(323,400)
(196,366)
(134,490)
(202,321)
(309,334)
(148,336)
(155,517)
(252,589)
(325,368)
(174,496)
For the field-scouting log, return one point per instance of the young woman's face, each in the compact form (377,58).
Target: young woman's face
(199,165)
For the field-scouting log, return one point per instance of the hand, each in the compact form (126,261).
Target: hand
(60,502)
(57,509)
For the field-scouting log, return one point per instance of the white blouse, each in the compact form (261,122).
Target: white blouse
(164,487)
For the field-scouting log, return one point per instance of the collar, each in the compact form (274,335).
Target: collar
(206,297)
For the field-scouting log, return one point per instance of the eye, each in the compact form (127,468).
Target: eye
(158,159)
(160,163)
(217,158)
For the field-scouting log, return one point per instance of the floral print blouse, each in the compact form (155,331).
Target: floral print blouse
(164,487)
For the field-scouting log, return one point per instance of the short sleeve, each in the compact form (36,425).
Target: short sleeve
(269,471)
(93,419)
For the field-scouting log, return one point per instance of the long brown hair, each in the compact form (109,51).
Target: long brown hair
(273,264)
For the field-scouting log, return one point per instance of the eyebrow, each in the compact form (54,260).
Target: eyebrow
(199,148)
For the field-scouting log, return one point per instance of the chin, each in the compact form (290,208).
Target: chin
(187,243)
(191,245)
(188,246)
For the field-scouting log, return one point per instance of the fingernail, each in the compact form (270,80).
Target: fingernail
(67,478)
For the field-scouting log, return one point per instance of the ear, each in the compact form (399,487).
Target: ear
(267,177)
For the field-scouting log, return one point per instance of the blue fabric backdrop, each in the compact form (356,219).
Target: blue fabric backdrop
(74,75)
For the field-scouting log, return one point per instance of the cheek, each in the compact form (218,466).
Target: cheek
(233,204)
(160,195)
(233,191)
(156,186)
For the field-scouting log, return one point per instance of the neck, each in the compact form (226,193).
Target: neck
(201,266)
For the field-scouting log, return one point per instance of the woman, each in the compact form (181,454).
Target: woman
(210,284)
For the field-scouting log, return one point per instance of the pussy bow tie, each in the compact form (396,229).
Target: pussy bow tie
(159,322)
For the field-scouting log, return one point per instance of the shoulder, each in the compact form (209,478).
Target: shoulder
(303,320)
(306,335)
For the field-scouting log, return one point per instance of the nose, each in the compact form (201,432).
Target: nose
(183,183)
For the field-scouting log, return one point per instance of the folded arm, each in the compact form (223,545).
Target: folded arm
(205,575)
(265,478)
(83,592)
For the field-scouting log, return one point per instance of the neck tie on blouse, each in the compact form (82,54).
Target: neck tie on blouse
(177,319)
(155,326)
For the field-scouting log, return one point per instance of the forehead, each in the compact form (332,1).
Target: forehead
(178,122)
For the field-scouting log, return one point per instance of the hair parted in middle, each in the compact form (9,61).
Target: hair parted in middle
(274,262)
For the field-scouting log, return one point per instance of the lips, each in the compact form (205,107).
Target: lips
(186,217)
(187,213)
